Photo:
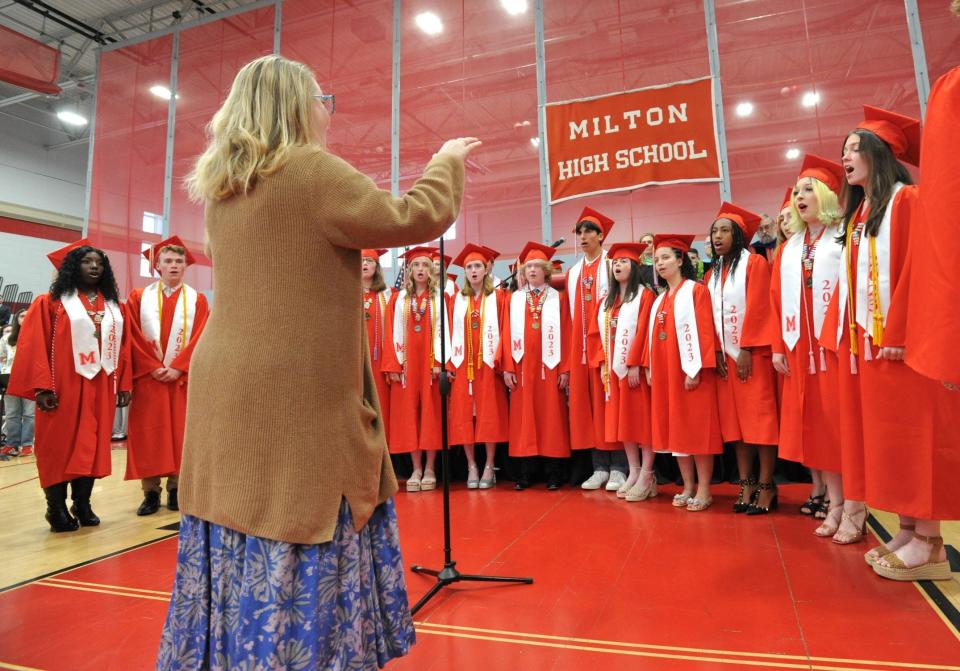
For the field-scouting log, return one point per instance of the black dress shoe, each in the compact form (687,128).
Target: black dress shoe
(521,485)
(150,505)
(172,503)
(553,485)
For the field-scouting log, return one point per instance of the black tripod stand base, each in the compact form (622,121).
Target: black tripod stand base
(449,575)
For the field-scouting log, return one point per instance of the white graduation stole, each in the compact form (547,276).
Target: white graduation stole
(729,301)
(620,340)
(826,264)
(549,326)
(400,334)
(865,297)
(489,339)
(685,323)
(573,291)
(179,332)
(89,357)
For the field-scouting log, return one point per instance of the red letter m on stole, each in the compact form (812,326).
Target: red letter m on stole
(792,323)
(517,344)
(89,357)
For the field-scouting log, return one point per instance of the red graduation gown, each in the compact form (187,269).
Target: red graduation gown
(685,422)
(626,409)
(934,316)
(587,396)
(537,404)
(911,456)
(809,422)
(414,402)
(847,388)
(480,417)
(73,440)
(158,409)
(378,343)
(748,410)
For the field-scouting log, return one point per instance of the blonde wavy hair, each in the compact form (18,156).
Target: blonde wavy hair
(487,287)
(829,214)
(432,284)
(268,111)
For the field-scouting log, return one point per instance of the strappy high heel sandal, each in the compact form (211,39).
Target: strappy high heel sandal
(873,554)
(841,538)
(756,509)
(831,523)
(931,570)
(821,513)
(812,505)
(742,506)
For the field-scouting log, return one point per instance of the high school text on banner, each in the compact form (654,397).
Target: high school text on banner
(622,141)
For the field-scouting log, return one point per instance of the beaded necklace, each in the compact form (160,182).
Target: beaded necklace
(368,298)
(609,326)
(417,314)
(809,253)
(853,238)
(586,283)
(535,309)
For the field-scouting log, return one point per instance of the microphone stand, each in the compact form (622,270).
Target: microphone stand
(449,573)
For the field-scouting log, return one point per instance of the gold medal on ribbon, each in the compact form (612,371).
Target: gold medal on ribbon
(662,335)
(536,325)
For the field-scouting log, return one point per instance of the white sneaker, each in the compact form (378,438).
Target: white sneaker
(597,480)
(616,479)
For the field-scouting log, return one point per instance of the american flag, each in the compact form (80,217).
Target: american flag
(401,268)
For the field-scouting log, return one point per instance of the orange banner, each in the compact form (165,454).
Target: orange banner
(622,141)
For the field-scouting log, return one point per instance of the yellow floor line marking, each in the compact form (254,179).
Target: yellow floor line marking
(109,587)
(670,648)
(770,664)
(103,591)
(17,667)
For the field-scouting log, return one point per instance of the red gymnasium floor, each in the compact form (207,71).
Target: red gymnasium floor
(638,586)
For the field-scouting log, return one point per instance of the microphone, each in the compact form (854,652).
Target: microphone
(558,242)
(511,278)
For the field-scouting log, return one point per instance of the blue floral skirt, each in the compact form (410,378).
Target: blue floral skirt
(242,603)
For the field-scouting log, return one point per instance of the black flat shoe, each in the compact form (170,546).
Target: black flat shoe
(150,505)
(172,503)
(553,486)
(521,485)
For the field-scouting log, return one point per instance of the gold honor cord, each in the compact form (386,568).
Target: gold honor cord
(875,291)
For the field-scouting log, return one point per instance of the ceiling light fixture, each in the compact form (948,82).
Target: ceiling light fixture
(793,153)
(745,109)
(535,141)
(162,92)
(429,23)
(810,99)
(514,7)
(71,118)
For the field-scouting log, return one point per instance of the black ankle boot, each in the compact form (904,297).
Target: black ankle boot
(150,505)
(172,503)
(57,514)
(82,489)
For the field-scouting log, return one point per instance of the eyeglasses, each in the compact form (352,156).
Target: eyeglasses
(329,101)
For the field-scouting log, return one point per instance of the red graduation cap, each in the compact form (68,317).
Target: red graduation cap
(589,214)
(828,172)
(787,198)
(492,252)
(452,277)
(534,251)
(900,132)
(558,264)
(674,241)
(152,253)
(745,219)
(472,252)
(374,254)
(418,252)
(435,256)
(58,256)
(626,250)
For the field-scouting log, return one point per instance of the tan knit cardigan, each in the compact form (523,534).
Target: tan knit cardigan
(282,413)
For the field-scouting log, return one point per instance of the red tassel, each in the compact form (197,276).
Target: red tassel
(813,366)
(543,372)
(853,363)
(867,350)
(823,360)
(583,358)
(470,388)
